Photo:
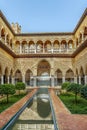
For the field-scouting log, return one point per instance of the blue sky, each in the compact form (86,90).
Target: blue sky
(44,15)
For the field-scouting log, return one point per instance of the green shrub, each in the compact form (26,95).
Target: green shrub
(20,86)
(75,88)
(84,91)
(65,85)
(7,89)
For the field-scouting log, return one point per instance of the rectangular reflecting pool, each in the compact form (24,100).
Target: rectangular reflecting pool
(37,115)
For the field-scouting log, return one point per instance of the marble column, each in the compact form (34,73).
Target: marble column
(79,79)
(23,78)
(27,48)
(59,47)
(75,79)
(63,79)
(85,79)
(35,48)
(8,80)
(12,80)
(67,47)
(52,47)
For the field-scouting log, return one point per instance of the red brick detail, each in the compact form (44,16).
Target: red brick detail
(66,120)
(10,112)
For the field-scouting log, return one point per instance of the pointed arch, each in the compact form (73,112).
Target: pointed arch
(69,77)
(43,73)
(58,77)
(28,77)
(43,66)
(18,76)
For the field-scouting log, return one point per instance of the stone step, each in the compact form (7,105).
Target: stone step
(34,127)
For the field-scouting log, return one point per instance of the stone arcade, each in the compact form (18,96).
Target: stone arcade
(40,59)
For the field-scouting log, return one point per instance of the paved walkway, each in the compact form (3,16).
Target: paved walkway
(66,120)
(10,112)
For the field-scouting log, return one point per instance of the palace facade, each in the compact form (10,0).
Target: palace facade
(43,58)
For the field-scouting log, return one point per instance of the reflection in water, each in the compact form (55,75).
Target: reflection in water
(43,108)
(37,115)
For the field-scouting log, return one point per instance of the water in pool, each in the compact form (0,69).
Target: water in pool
(37,115)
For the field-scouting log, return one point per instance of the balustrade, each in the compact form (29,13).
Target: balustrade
(69,48)
(45,51)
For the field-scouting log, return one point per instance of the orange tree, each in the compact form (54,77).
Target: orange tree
(20,86)
(7,89)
